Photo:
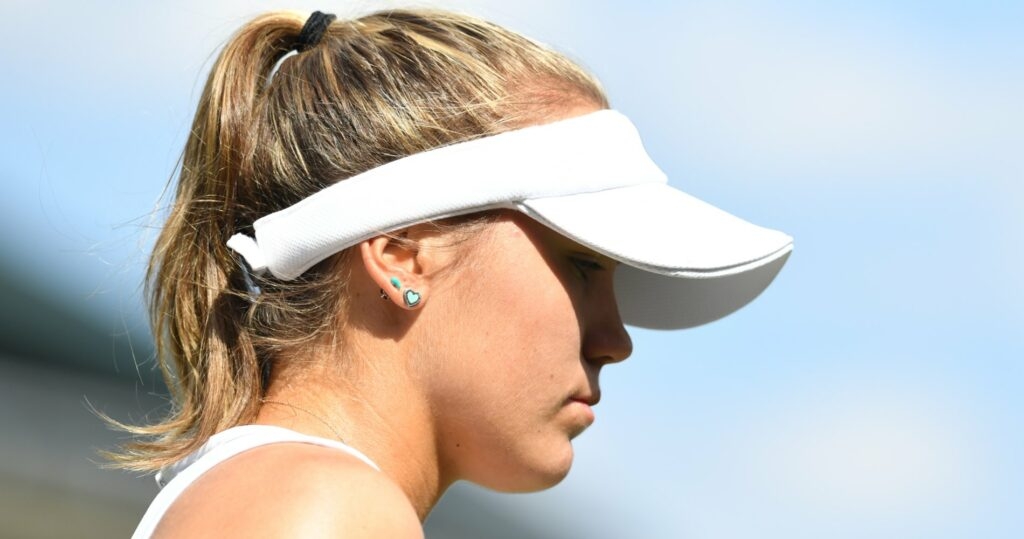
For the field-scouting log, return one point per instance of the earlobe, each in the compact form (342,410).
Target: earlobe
(411,297)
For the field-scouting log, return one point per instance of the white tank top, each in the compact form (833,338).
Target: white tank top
(174,479)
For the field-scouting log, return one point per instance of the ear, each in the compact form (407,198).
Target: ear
(395,267)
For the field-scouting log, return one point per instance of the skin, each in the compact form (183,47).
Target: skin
(487,380)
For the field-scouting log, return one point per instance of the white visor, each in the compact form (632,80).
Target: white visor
(685,262)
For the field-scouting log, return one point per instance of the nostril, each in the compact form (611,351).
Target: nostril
(608,347)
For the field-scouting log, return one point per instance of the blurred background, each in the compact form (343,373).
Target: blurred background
(875,390)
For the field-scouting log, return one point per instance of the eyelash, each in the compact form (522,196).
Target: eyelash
(584,266)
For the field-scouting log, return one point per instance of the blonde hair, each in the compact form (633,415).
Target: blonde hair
(374,89)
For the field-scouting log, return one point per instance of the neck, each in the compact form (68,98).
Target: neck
(374,409)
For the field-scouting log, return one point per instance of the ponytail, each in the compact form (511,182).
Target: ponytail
(199,319)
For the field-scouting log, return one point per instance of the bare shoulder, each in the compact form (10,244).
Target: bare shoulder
(292,490)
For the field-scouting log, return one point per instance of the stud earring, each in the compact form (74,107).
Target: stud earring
(412,298)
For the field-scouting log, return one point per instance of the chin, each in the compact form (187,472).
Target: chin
(540,474)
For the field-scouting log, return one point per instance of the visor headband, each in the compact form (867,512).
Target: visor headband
(595,152)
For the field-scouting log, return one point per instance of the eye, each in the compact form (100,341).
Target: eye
(585,266)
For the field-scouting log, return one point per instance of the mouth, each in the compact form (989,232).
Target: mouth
(582,410)
(590,399)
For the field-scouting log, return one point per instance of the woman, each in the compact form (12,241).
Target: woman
(401,249)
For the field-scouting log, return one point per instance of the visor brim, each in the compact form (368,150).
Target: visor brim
(687,262)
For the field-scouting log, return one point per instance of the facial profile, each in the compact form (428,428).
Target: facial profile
(514,343)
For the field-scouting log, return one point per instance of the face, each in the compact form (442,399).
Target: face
(519,333)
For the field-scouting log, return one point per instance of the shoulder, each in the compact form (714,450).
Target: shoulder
(292,490)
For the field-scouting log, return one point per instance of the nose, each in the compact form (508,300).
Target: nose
(606,339)
(611,346)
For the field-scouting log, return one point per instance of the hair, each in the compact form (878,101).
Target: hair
(374,89)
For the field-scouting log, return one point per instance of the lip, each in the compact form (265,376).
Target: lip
(583,408)
(585,403)
(588,399)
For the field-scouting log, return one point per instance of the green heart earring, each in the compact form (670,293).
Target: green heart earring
(411,297)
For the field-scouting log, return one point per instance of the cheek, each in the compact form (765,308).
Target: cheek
(512,357)
(522,326)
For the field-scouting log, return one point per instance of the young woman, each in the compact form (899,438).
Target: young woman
(401,249)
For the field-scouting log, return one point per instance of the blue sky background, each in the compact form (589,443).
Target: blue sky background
(875,390)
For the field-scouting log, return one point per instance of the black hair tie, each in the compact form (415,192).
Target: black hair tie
(313,31)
